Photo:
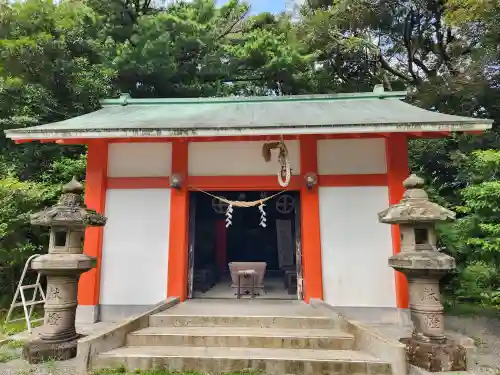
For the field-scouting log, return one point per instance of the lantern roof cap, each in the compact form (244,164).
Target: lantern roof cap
(415,207)
(69,211)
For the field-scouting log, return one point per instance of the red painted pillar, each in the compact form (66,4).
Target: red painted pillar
(397,172)
(179,226)
(310,223)
(95,198)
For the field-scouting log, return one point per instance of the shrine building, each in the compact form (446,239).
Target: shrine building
(196,190)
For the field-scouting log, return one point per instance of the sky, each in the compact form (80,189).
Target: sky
(273,6)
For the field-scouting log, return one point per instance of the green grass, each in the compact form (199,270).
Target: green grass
(12,328)
(10,350)
(478,341)
(13,344)
(7,356)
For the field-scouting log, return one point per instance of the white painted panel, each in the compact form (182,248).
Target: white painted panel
(355,247)
(352,156)
(139,159)
(135,247)
(237,158)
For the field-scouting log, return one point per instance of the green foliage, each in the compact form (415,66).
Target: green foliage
(192,48)
(51,69)
(50,60)
(474,239)
(17,201)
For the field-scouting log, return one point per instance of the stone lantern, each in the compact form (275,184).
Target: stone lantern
(423,265)
(63,265)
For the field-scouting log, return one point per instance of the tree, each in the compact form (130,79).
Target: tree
(196,48)
(118,17)
(51,69)
(447,52)
(409,39)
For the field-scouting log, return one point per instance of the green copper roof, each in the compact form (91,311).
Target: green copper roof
(376,111)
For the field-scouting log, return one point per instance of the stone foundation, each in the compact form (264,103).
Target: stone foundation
(38,351)
(436,357)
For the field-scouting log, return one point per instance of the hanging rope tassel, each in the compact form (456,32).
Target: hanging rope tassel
(262,215)
(229,216)
(285,173)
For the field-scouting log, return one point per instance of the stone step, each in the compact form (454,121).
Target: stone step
(254,337)
(217,360)
(169,319)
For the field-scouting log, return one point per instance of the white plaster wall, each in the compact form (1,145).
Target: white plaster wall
(135,247)
(355,247)
(237,158)
(139,159)
(352,156)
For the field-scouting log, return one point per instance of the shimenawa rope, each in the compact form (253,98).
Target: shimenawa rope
(284,176)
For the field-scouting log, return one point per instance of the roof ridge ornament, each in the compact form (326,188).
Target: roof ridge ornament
(124,98)
(378,89)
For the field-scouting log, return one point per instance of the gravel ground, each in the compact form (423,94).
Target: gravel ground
(486,334)
(20,367)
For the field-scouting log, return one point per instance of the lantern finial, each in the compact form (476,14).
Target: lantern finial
(413,182)
(74,187)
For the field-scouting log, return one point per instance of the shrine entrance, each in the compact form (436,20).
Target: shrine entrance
(226,240)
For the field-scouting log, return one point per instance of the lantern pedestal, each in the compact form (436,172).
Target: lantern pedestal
(39,350)
(435,357)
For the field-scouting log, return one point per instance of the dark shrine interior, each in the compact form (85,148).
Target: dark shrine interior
(244,240)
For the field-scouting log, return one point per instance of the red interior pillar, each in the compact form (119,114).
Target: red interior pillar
(221,244)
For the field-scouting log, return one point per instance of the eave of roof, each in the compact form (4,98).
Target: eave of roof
(373,112)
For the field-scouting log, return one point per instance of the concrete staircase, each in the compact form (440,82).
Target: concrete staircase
(286,337)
